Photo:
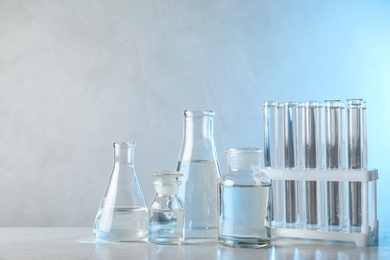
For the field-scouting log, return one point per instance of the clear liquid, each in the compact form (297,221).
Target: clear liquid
(166,226)
(199,193)
(244,219)
(121,224)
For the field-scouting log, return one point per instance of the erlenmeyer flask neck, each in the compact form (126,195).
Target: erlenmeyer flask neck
(198,124)
(124,153)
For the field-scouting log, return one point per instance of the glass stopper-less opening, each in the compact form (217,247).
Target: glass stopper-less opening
(244,158)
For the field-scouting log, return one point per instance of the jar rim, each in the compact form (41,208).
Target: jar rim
(243,150)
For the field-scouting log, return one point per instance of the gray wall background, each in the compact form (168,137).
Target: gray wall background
(77,75)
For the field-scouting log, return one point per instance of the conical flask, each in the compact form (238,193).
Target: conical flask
(123,215)
(198,162)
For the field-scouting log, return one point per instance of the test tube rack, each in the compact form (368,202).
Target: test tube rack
(364,235)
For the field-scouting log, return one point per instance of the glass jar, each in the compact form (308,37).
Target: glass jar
(166,212)
(244,201)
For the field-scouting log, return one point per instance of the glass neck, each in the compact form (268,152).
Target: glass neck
(124,155)
(198,124)
(198,127)
(244,161)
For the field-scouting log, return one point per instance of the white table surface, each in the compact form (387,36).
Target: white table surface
(79,243)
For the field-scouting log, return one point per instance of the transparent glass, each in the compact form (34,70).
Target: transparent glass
(166,212)
(314,159)
(335,159)
(244,201)
(290,158)
(357,156)
(274,156)
(122,215)
(198,162)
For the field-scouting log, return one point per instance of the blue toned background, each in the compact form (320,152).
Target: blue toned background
(77,75)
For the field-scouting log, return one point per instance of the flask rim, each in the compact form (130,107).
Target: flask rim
(124,145)
(198,113)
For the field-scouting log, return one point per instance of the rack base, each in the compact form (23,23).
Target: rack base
(360,239)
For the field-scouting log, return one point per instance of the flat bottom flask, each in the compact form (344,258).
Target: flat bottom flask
(244,228)
(126,224)
(122,215)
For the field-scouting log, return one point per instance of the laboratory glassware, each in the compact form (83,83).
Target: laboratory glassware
(244,201)
(199,164)
(314,159)
(122,215)
(357,155)
(290,158)
(273,155)
(166,212)
(335,159)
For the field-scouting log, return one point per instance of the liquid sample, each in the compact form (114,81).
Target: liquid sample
(122,224)
(244,218)
(199,193)
(166,226)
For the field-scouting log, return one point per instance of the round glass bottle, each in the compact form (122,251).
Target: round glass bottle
(166,212)
(244,201)
(123,215)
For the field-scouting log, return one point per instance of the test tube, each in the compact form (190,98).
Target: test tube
(335,159)
(290,158)
(273,158)
(314,158)
(300,159)
(357,155)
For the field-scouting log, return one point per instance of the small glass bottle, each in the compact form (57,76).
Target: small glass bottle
(244,201)
(198,162)
(123,215)
(166,212)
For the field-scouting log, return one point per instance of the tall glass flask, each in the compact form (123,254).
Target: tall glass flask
(198,162)
(166,213)
(244,201)
(122,215)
